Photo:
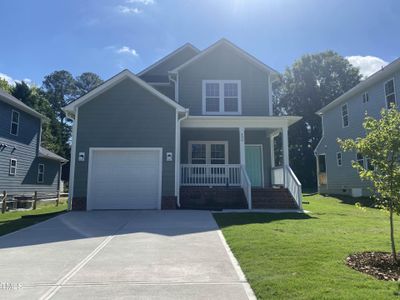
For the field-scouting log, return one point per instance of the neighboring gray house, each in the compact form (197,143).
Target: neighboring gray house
(343,118)
(193,130)
(25,166)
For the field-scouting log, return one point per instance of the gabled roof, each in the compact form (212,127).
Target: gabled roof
(359,88)
(7,98)
(167,57)
(125,74)
(224,41)
(44,153)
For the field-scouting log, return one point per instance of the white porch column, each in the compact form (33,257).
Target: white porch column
(285,146)
(241,147)
(272,149)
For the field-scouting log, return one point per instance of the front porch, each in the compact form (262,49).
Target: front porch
(225,158)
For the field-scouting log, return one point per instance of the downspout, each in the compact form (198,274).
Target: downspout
(178,154)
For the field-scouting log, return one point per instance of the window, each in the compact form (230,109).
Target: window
(389,93)
(345,115)
(360,159)
(368,164)
(365,97)
(208,152)
(221,97)
(13,167)
(339,159)
(321,163)
(14,122)
(40,177)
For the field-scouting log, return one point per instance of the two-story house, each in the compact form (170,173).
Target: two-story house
(195,129)
(25,166)
(343,118)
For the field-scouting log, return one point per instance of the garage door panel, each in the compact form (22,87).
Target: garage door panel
(125,179)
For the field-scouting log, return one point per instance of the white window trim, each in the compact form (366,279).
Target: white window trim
(394,91)
(358,160)
(221,97)
(16,164)
(12,122)
(208,150)
(40,181)
(348,116)
(341,159)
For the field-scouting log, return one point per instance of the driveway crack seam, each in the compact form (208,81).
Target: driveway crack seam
(62,281)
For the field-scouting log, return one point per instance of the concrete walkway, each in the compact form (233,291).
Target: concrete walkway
(121,254)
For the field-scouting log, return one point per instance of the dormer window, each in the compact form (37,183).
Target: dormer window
(222,97)
(14,127)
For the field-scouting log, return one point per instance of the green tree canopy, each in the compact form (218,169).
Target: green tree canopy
(5,86)
(310,83)
(381,148)
(86,82)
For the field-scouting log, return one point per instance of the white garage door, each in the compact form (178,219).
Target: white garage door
(124,178)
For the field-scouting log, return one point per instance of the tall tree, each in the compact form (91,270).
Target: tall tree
(310,83)
(86,82)
(5,86)
(60,89)
(22,91)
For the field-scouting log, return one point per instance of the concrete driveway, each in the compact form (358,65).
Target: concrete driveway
(121,254)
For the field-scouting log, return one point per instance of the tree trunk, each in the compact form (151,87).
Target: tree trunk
(392,235)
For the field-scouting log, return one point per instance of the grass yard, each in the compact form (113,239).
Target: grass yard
(301,256)
(12,221)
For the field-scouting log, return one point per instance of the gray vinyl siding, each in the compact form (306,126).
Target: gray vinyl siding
(223,63)
(160,72)
(232,137)
(127,115)
(24,148)
(167,90)
(342,178)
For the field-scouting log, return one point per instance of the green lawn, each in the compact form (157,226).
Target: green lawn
(12,221)
(301,256)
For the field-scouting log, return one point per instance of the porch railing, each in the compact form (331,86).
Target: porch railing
(287,178)
(210,175)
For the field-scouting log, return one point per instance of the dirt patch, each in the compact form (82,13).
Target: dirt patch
(378,264)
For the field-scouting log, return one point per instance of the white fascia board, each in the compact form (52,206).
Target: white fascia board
(246,55)
(112,82)
(238,121)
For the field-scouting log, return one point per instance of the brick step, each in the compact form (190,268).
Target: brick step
(272,198)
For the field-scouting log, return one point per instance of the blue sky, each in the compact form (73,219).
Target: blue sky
(105,36)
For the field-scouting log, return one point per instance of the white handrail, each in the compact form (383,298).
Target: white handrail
(246,186)
(294,186)
(210,175)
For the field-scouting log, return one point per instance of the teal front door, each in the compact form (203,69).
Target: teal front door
(254,164)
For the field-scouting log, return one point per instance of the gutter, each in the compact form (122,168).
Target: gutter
(178,151)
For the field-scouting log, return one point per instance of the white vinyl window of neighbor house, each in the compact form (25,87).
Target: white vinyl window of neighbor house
(390,95)
(208,152)
(365,97)
(222,97)
(13,167)
(40,176)
(14,127)
(339,159)
(345,115)
(360,159)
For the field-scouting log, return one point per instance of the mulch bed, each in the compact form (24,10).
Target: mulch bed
(377,264)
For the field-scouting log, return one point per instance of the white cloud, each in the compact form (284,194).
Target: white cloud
(144,2)
(367,64)
(128,10)
(13,81)
(126,49)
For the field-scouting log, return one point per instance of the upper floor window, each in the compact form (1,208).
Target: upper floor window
(390,95)
(14,122)
(345,115)
(365,97)
(40,177)
(222,97)
(360,159)
(13,167)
